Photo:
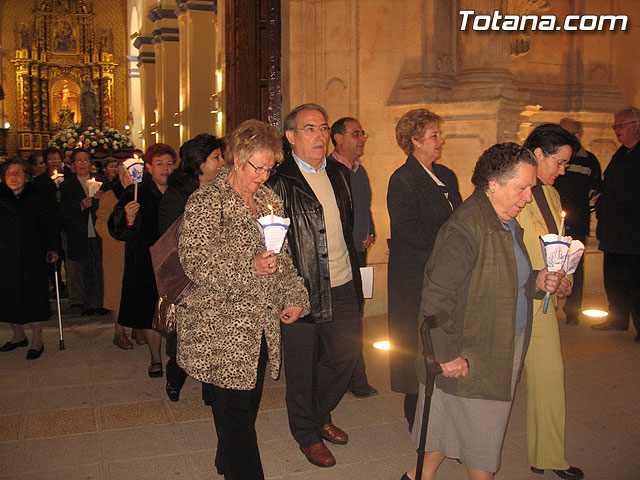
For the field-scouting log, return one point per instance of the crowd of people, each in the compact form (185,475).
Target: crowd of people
(470,272)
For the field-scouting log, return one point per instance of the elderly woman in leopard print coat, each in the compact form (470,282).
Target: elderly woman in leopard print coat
(231,325)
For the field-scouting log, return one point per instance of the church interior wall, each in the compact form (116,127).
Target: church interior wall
(377,61)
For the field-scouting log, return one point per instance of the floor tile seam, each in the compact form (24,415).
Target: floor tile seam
(60,410)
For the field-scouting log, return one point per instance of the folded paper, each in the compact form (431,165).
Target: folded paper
(135,168)
(273,230)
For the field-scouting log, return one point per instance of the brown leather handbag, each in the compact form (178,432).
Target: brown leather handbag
(172,283)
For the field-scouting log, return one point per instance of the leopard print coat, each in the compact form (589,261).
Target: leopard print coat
(220,330)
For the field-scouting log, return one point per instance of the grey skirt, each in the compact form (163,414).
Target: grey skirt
(468,429)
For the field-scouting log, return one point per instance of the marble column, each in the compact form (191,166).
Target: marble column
(199,53)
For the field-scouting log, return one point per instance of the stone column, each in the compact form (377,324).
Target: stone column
(484,58)
(198,26)
(167,74)
(147,66)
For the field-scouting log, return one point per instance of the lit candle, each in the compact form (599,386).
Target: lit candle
(92,187)
(562,224)
(270,207)
(57,177)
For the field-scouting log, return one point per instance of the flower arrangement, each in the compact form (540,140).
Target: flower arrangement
(95,140)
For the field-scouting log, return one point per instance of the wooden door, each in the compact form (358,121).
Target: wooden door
(253,87)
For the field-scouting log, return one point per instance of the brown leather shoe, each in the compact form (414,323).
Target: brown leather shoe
(319,455)
(333,434)
(138,336)
(121,341)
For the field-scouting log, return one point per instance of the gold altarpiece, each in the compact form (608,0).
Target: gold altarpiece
(58,57)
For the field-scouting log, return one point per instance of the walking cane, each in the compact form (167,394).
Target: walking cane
(55,271)
(433,369)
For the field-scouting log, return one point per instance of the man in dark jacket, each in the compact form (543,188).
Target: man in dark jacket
(577,187)
(321,349)
(618,212)
(349,138)
(78,211)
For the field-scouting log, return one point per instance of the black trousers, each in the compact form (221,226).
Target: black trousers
(573,304)
(319,361)
(176,376)
(622,284)
(359,378)
(92,281)
(234,414)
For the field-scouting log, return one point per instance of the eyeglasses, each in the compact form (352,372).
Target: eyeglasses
(313,129)
(561,163)
(618,126)
(262,170)
(358,134)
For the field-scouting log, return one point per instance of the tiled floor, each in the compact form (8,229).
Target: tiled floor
(91,412)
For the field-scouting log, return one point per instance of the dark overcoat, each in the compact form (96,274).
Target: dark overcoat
(27,233)
(75,219)
(139,291)
(417,209)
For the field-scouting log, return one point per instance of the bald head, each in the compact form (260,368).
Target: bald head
(574,127)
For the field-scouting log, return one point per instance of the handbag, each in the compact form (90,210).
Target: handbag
(172,283)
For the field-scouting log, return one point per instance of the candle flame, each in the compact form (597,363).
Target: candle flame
(270,207)
(564,214)
(135,155)
(93,179)
(55,172)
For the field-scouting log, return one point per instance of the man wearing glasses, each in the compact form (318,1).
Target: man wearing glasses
(320,350)
(348,139)
(618,212)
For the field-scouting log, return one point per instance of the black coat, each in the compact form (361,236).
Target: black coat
(139,291)
(618,206)
(307,237)
(174,199)
(75,219)
(417,209)
(27,233)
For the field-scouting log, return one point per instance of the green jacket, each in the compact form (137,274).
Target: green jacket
(471,290)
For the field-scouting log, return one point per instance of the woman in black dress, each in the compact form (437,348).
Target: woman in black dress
(200,160)
(28,240)
(422,195)
(136,222)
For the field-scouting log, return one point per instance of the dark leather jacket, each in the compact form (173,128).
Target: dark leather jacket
(307,236)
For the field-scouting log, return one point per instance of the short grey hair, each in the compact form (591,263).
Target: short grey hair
(290,122)
(635,113)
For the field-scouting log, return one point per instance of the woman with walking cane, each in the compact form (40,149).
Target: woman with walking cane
(476,300)
(28,240)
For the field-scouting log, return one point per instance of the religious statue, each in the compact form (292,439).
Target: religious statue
(88,102)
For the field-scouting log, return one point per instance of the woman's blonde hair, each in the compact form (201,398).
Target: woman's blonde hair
(249,137)
(414,124)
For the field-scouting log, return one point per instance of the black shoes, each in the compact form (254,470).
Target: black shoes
(364,391)
(155,370)
(7,347)
(572,320)
(571,473)
(609,325)
(32,354)
(174,396)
